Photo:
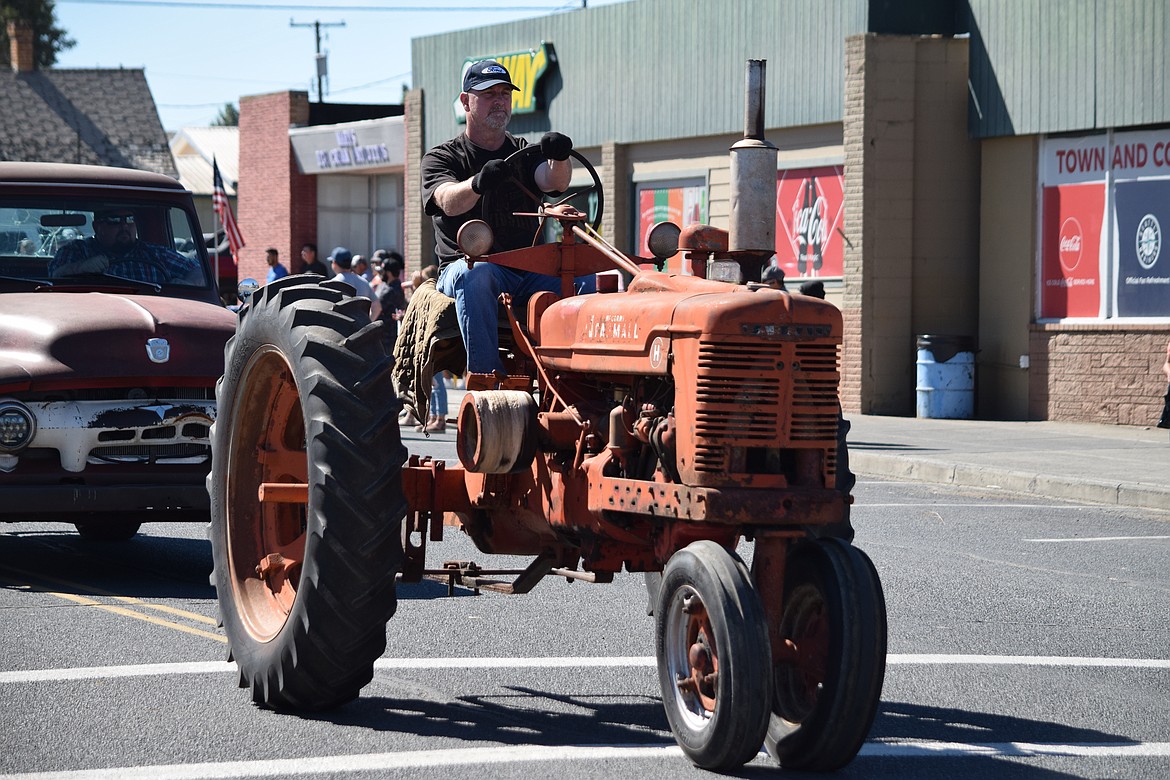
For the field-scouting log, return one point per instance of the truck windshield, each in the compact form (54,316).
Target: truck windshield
(57,240)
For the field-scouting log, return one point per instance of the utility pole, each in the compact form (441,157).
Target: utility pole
(321,67)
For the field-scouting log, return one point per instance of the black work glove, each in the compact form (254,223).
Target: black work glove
(555,146)
(492,175)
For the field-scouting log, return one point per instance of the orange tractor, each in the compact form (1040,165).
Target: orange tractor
(657,429)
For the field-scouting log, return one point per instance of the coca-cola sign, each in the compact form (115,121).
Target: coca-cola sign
(810,207)
(1071,242)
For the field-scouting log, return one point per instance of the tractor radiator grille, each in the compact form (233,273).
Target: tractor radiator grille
(814,393)
(739,399)
(738,392)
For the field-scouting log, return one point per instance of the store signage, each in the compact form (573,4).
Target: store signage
(682,205)
(810,207)
(1088,238)
(354,146)
(349,152)
(527,69)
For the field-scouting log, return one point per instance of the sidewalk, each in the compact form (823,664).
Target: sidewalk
(1106,464)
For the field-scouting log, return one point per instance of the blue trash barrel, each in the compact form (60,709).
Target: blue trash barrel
(946,377)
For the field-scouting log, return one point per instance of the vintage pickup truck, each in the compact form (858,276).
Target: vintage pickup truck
(111,341)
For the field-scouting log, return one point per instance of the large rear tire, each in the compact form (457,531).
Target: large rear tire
(714,662)
(305,589)
(825,695)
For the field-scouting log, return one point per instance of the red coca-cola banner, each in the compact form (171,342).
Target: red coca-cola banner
(1070,264)
(810,208)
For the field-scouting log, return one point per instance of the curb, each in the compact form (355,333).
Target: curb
(1130,494)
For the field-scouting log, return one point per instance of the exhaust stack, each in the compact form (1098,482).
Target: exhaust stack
(753,175)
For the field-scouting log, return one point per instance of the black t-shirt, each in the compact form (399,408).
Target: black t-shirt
(458,160)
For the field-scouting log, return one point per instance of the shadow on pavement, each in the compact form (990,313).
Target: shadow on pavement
(150,567)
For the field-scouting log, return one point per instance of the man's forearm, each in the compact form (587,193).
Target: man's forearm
(554,175)
(456,197)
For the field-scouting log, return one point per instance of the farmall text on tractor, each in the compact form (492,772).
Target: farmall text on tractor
(649,430)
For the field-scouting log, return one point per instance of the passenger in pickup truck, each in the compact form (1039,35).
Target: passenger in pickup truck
(116,249)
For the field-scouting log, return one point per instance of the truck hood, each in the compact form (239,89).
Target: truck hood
(94,339)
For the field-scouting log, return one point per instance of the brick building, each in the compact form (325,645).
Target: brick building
(324,173)
(927,171)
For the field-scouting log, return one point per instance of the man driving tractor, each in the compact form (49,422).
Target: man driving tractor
(456,176)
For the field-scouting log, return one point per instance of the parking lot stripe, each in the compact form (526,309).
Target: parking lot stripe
(87,602)
(406,664)
(487,756)
(927,748)
(1103,539)
(1026,660)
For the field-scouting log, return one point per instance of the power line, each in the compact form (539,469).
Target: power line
(242,6)
(395,77)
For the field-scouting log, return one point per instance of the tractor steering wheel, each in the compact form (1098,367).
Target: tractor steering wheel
(517,161)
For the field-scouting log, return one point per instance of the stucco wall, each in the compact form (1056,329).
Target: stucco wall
(1006,275)
(911,212)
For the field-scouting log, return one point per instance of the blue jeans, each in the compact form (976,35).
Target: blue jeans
(476,291)
(438,396)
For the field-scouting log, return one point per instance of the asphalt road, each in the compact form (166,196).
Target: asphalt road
(1027,640)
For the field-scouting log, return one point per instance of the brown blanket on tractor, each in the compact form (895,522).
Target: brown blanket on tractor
(428,342)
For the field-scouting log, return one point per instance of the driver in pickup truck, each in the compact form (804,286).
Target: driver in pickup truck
(115,249)
(455,175)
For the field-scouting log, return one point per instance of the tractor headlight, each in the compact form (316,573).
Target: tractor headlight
(17,426)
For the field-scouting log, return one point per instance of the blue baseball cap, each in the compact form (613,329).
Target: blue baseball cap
(342,256)
(486,73)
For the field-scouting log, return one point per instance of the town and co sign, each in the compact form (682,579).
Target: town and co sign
(527,69)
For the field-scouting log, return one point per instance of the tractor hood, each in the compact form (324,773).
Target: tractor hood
(54,341)
(634,332)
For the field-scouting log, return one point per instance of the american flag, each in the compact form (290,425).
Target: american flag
(219,201)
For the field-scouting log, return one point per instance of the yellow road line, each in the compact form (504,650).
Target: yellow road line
(125,599)
(172,610)
(88,602)
(137,615)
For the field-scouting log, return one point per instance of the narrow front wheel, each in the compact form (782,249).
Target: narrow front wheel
(828,683)
(714,663)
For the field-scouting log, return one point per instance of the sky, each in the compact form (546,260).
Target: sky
(201,54)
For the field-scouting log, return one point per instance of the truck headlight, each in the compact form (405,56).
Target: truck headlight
(17,426)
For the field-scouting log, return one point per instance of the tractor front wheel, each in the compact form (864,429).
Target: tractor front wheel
(713,656)
(827,686)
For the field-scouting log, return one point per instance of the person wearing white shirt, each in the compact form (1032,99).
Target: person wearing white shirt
(342,259)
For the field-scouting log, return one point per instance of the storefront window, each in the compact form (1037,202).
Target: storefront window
(362,213)
(682,202)
(1105,201)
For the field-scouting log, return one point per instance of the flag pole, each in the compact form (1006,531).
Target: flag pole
(215,229)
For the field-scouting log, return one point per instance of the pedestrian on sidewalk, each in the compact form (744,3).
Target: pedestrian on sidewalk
(276,269)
